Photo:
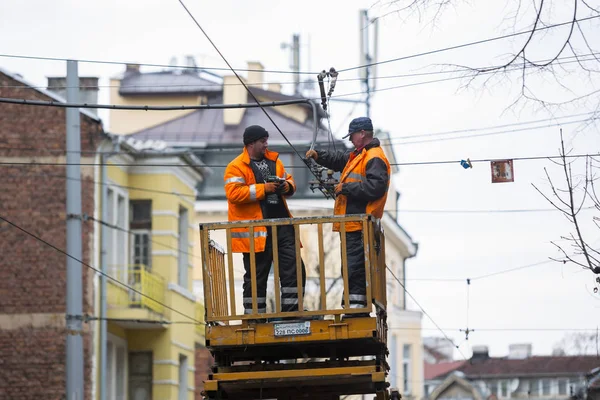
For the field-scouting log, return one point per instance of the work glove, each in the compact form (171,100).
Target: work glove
(312,154)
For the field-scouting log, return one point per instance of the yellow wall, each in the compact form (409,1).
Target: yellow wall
(125,121)
(408,332)
(168,341)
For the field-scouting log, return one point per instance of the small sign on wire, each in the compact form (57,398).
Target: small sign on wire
(502,171)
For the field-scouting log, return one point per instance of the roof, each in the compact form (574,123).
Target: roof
(48,93)
(438,355)
(432,371)
(205,128)
(167,82)
(278,96)
(536,365)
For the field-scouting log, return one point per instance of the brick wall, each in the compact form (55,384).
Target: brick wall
(32,275)
(203,365)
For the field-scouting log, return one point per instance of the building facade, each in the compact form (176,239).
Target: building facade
(519,375)
(32,274)
(152,335)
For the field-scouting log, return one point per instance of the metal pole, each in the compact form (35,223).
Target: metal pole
(103,270)
(74,317)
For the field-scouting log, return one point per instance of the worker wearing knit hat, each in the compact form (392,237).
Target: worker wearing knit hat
(253,133)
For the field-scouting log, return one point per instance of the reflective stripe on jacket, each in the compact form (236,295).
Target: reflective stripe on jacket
(365,178)
(243,199)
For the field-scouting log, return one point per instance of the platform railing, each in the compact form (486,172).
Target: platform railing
(219,274)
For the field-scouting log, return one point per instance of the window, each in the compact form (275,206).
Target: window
(213,185)
(183,248)
(116,368)
(117,235)
(562,387)
(393,364)
(504,389)
(141,227)
(546,383)
(406,367)
(534,387)
(494,388)
(183,373)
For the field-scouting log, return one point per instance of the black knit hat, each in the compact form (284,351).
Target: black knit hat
(253,133)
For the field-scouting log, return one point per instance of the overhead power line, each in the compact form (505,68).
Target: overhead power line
(39,239)
(559,61)
(399,210)
(194,68)
(425,312)
(118,228)
(468,44)
(296,100)
(395,140)
(441,162)
(504,271)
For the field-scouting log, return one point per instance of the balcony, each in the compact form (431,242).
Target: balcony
(139,308)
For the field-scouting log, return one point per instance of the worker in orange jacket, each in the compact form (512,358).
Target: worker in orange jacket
(251,195)
(363,187)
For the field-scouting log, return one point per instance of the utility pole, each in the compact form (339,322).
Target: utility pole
(295,59)
(74,317)
(368,54)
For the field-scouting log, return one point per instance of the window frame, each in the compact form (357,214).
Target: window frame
(406,369)
(118,264)
(112,370)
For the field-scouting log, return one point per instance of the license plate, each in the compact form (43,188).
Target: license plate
(292,328)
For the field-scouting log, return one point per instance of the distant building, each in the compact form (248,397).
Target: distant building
(519,375)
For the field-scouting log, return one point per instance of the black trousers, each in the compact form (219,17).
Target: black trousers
(286,247)
(355,252)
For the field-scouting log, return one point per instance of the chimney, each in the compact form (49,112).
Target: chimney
(519,351)
(274,87)
(480,353)
(233,93)
(132,69)
(88,89)
(255,76)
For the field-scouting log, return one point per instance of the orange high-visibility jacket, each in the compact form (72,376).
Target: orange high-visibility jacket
(365,181)
(244,196)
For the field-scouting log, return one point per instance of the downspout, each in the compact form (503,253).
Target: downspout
(103,272)
(104,265)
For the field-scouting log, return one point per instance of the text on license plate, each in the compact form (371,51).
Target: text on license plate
(292,328)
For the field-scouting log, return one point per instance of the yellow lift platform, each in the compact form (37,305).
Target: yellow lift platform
(321,353)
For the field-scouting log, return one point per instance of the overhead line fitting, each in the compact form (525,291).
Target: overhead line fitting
(333,74)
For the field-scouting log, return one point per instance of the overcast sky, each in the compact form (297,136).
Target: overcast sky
(453,245)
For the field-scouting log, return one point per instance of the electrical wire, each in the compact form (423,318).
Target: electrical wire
(504,271)
(294,100)
(468,44)
(18,56)
(441,162)
(194,68)
(559,61)
(402,143)
(425,312)
(118,228)
(39,239)
(251,94)
(402,210)
(393,140)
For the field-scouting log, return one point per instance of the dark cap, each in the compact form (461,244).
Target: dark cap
(253,133)
(359,124)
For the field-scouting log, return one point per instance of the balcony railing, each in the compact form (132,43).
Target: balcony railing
(143,281)
(219,275)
